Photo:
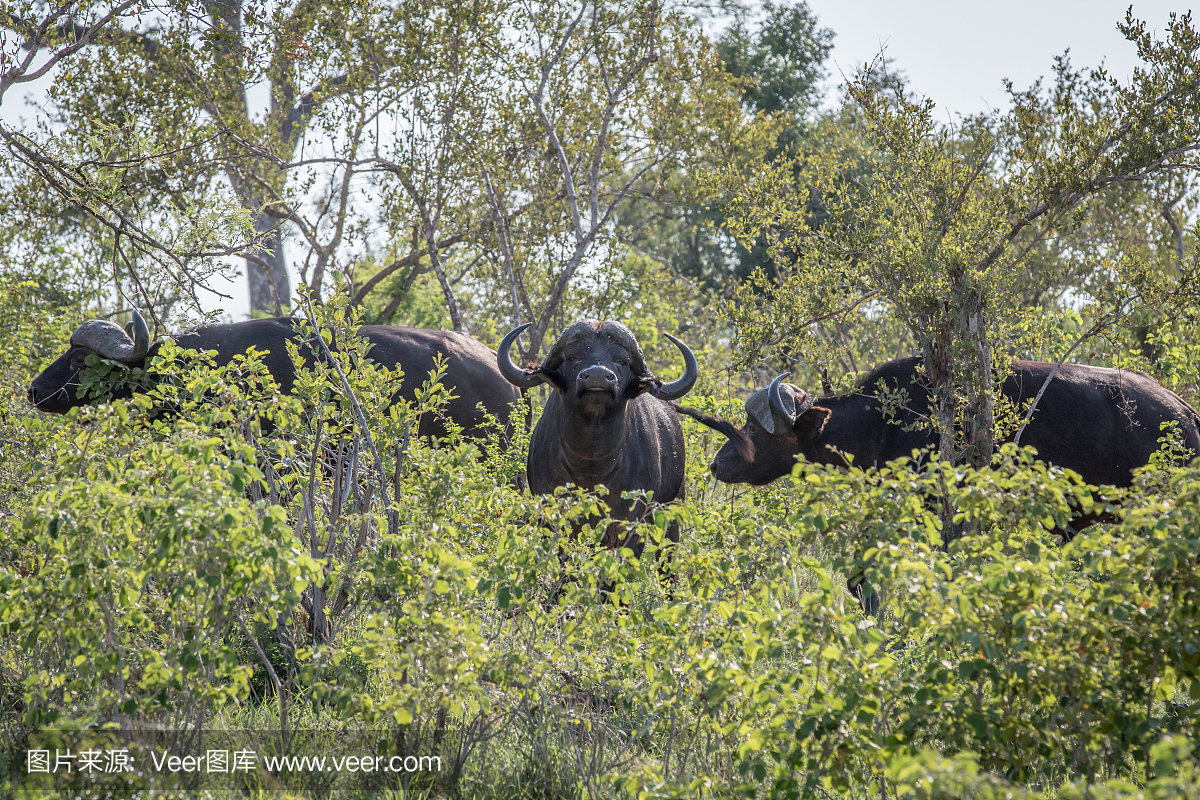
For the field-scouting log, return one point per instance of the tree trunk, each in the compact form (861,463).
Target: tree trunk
(979,414)
(938,357)
(958,357)
(269,292)
(943,402)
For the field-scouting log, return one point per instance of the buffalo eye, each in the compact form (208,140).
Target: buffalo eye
(751,427)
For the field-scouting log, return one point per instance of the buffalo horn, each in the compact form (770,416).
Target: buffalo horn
(776,397)
(108,340)
(523,378)
(140,335)
(141,338)
(691,370)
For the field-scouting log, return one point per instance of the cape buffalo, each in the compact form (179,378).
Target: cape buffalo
(470,366)
(607,421)
(1101,423)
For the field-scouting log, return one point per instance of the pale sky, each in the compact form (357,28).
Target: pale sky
(959,53)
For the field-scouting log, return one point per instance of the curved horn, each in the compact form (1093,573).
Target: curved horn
(107,339)
(691,370)
(140,334)
(776,398)
(525,379)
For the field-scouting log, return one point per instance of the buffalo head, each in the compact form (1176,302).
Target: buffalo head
(781,423)
(55,389)
(597,367)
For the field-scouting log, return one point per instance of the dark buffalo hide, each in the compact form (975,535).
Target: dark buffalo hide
(1101,423)
(608,421)
(471,371)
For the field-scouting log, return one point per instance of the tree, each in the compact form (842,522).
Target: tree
(91,174)
(441,122)
(936,233)
(595,99)
(777,66)
(334,74)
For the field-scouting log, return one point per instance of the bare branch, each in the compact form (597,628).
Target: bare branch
(537,98)
(613,100)
(17,74)
(412,258)
(381,476)
(299,114)
(1098,326)
(398,298)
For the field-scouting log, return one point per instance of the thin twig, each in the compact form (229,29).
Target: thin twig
(358,412)
(1092,331)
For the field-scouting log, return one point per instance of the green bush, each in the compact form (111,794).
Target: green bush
(175,550)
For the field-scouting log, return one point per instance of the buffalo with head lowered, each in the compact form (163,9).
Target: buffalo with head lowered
(1101,423)
(471,371)
(608,420)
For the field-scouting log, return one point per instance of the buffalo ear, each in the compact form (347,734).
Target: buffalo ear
(639,384)
(554,378)
(812,423)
